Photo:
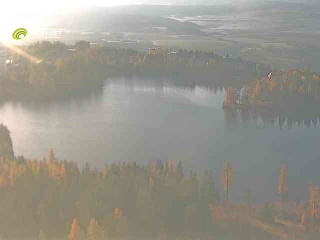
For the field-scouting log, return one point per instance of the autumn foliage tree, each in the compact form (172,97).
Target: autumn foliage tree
(231,96)
(75,233)
(314,198)
(94,231)
(227,174)
(282,183)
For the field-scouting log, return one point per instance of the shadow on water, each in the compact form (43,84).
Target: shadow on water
(275,116)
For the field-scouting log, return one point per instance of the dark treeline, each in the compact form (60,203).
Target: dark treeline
(57,69)
(6,148)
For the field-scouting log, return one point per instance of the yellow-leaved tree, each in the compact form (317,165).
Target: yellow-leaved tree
(94,231)
(282,183)
(227,173)
(314,198)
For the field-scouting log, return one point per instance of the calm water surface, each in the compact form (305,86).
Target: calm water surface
(141,120)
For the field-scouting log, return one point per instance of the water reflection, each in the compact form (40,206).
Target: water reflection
(146,119)
(272,117)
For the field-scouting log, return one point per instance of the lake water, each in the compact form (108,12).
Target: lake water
(140,120)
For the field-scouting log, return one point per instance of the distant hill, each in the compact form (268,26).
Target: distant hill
(106,20)
(132,15)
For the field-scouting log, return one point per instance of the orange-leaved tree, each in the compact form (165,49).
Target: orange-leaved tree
(282,183)
(75,233)
(227,173)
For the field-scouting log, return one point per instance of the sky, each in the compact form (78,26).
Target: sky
(42,4)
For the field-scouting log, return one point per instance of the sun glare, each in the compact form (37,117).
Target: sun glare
(36,13)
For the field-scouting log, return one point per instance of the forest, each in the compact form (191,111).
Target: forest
(283,97)
(287,86)
(54,199)
(48,70)
(125,199)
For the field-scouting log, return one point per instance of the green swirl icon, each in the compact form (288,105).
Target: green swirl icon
(19,33)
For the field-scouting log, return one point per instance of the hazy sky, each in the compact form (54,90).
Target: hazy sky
(27,13)
(80,3)
(8,6)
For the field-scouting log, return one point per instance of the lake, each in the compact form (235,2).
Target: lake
(143,119)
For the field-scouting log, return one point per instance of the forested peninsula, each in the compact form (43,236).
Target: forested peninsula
(48,70)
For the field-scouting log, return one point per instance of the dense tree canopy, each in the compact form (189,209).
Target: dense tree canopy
(54,198)
(58,69)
